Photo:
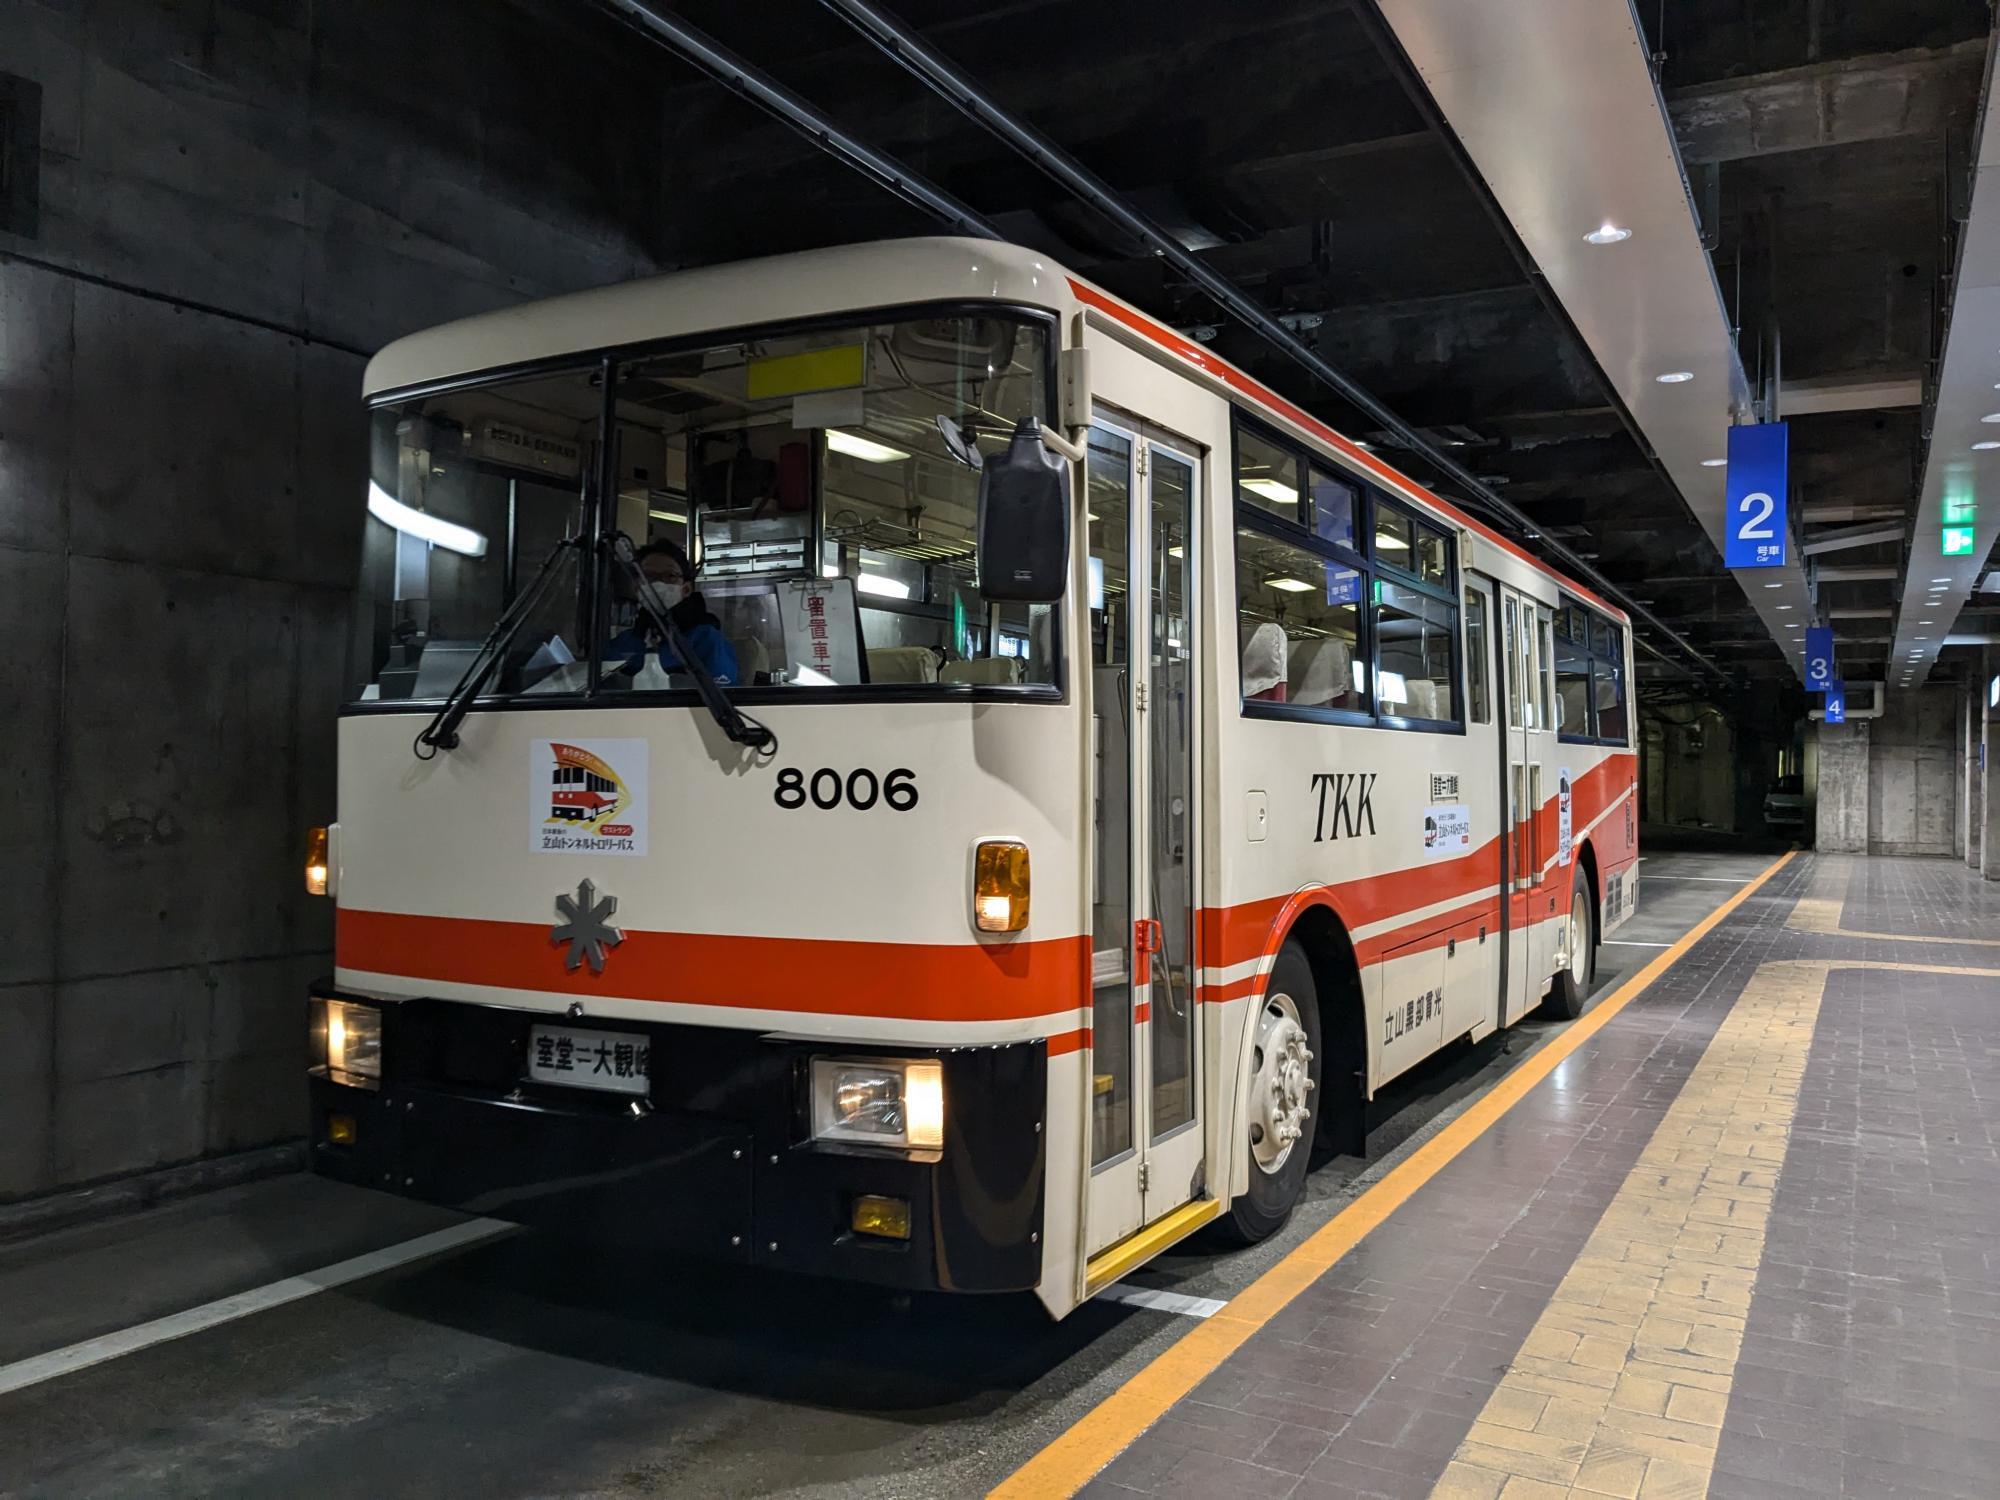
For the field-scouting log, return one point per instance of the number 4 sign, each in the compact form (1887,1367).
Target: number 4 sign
(1757,495)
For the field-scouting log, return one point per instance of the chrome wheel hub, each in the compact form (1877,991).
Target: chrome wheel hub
(1280,1080)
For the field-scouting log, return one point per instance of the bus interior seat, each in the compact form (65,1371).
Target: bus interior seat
(1264,657)
(1423,702)
(987,671)
(1324,672)
(902,664)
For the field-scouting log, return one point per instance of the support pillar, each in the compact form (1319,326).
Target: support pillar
(1843,787)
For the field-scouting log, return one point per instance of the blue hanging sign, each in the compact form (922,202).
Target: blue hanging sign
(1836,703)
(1758,487)
(1819,658)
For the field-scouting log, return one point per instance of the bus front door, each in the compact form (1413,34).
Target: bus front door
(1527,786)
(1146,1137)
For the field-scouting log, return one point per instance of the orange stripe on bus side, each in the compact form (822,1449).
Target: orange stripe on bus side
(900,981)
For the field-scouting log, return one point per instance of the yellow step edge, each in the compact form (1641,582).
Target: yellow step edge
(1113,1262)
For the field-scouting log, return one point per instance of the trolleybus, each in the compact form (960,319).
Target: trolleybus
(1122,778)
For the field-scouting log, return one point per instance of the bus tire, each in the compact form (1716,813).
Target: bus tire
(1575,981)
(1286,1058)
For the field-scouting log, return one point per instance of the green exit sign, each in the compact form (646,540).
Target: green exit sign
(1957,541)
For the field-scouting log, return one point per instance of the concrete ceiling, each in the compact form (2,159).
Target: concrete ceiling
(1826,143)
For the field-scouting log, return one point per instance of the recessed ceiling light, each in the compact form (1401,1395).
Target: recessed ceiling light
(1681,377)
(1991,416)
(1288,585)
(1715,463)
(1607,233)
(1784,606)
(1940,580)
(1774,585)
(1983,447)
(1923,637)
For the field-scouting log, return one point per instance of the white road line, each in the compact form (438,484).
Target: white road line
(1166,1302)
(96,1351)
(1716,879)
(1628,943)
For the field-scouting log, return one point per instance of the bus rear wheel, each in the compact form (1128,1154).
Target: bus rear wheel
(1578,976)
(1285,1066)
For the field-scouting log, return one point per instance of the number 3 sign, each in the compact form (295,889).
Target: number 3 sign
(1757,493)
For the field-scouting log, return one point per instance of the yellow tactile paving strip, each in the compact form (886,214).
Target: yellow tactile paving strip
(1819,913)
(1621,1386)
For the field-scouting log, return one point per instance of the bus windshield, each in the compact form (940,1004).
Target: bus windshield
(804,503)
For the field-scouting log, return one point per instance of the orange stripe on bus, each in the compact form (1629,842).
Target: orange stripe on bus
(900,981)
(1069,1041)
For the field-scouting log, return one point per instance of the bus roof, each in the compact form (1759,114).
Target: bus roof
(814,283)
(773,289)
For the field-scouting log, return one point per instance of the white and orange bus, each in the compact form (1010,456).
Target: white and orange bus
(968,899)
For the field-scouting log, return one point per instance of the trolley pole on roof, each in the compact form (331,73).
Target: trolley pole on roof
(909,51)
(935,72)
(764,91)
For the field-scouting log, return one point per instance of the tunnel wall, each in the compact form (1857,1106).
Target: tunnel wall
(234,205)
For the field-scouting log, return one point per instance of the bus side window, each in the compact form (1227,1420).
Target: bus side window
(1476,658)
(1517,661)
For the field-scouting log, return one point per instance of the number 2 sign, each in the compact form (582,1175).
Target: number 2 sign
(1758,488)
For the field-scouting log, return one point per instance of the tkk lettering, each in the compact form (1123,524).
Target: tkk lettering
(1352,805)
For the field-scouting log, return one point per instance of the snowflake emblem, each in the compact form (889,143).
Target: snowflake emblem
(586,927)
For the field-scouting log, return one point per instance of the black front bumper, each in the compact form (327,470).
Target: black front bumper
(715,1161)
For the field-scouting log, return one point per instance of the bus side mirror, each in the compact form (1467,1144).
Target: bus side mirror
(1024,521)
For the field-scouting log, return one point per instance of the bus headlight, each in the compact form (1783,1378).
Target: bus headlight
(351,1035)
(873,1102)
(1000,886)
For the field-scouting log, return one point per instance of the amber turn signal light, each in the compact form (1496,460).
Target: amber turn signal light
(316,862)
(1000,886)
(340,1130)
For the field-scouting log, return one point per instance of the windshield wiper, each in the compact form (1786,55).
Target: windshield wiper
(737,725)
(442,731)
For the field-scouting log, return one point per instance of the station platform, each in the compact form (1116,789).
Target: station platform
(1734,1233)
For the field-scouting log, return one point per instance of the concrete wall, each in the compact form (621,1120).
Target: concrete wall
(237,203)
(1893,785)
(1913,773)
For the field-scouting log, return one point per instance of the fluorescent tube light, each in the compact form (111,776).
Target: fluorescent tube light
(888,588)
(423,525)
(865,449)
(1288,585)
(1273,489)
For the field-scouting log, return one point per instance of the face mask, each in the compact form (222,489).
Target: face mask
(662,596)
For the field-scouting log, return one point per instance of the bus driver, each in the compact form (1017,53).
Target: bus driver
(671,590)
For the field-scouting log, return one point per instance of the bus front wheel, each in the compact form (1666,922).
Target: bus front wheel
(1281,1092)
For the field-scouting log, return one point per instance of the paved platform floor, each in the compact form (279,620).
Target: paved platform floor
(1744,1241)
(1422,1358)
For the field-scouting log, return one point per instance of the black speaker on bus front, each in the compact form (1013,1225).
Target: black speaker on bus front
(1024,520)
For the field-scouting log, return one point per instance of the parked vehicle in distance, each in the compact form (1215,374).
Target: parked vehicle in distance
(1785,805)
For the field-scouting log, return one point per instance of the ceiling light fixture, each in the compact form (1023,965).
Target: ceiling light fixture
(1272,489)
(1715,463)
(1288,585)
(1986,446)
(865,449)
(1607,233)
(888,588)
(1774,585)
(422,525)
(1675,377)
